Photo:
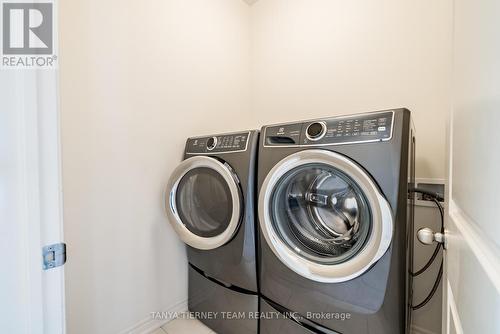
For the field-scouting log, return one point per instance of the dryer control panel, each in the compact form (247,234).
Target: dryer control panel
(370,127)
(225,143)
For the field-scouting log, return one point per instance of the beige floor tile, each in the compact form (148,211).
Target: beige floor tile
(186,326)
(159,331)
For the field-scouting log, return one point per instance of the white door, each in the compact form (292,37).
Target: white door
(31,298)
(472,260)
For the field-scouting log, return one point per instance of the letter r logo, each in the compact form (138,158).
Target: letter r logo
(27,28)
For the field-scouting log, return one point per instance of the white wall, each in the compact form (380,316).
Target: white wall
(328,57)
(137,78)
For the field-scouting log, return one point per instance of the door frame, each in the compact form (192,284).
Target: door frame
(36,297)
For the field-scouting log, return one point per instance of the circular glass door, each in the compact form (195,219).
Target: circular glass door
(204,202)
(321,212)
(323,216)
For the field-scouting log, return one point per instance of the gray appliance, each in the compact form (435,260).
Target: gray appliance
(335,240)
(210,204)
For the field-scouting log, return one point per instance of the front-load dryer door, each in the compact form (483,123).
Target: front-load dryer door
(204,202)
(323,216)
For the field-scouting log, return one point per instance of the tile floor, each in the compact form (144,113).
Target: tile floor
(184,326)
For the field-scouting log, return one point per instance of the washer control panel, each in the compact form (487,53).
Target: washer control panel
(368,127)
(234,142)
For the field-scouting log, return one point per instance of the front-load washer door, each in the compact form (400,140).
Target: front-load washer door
(204,202)
(323,216)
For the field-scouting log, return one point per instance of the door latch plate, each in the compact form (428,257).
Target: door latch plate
(54,255)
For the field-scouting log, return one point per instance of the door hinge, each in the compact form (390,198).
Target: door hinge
(54,255)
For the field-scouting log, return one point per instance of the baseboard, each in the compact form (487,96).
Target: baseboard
(149,324)
(420,330)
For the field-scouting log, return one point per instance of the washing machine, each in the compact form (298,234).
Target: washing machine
(210,204)
(336,222)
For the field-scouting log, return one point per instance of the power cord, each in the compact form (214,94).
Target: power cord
(435,197)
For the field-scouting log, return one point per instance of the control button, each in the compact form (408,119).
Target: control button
(381,128)
(316,131)
(211,143)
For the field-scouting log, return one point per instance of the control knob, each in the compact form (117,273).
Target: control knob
(316,131)
(211,143)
